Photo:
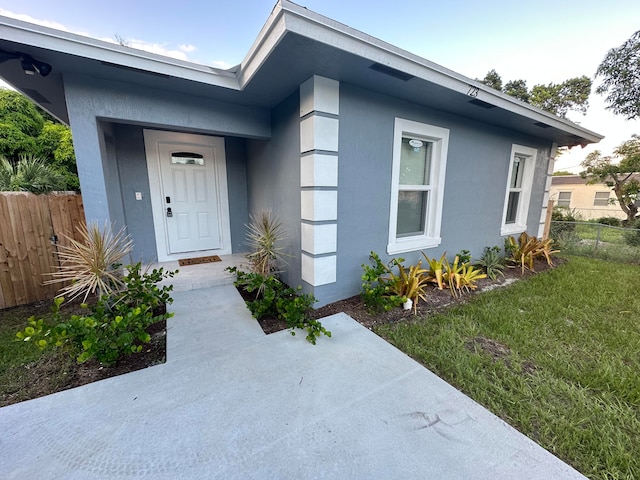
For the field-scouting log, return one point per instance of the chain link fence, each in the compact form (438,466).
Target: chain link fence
(597,240)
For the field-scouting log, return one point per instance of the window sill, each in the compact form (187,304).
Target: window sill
(512,229)
(413,244)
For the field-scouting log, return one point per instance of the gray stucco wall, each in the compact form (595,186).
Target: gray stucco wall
(236,153)
(134,177)
(475,183)
(273,178)
(89,99)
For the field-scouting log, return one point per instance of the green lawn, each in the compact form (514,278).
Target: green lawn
(571,377)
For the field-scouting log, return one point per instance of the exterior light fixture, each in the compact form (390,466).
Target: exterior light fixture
(30,66)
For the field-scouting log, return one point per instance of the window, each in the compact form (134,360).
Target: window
(519,183)
(417,185)
(564,199)
(601,199)
(187,158)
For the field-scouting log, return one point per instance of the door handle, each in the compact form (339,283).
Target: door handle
(169,212)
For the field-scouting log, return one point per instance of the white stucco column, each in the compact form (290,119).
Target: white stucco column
(319,125)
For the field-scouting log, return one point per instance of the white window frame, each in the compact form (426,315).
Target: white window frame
(564,200)
(439,137)
(520,225)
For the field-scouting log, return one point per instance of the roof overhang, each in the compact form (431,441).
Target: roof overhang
(294,44)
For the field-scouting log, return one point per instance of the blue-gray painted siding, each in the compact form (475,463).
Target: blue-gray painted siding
(90,99)
(134,177)
(475,183)
(273,179)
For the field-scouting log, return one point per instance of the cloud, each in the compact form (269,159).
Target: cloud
(30,19)
(187,48)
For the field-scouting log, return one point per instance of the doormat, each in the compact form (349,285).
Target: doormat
(198,260)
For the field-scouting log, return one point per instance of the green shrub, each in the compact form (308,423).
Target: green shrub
(274,298)
(632,233)
(464,256)
(611,221)
(561,226)
(492,261)
(376,293)
(115,326)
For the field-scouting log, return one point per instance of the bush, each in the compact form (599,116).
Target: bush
(114,327)
(560,230)
(376,293)
(632,233)
(273,298)
(611,221)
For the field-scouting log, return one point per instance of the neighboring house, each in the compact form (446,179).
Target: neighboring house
(356,144)
(588,201)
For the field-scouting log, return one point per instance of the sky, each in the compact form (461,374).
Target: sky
(541,42)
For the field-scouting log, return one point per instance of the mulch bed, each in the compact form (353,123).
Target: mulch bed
(438,300)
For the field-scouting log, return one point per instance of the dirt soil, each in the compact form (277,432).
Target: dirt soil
(51,374)
(57,372)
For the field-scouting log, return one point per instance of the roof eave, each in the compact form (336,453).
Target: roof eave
(112,53)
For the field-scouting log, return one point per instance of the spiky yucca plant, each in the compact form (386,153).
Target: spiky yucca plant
(265,233)
(30,174)
(92,265)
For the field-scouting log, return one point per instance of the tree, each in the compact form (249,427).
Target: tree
(518,89)
(492,79)
(559,99)
(562,173)
(620,72)
(55,144)
(26,131)
(617,172)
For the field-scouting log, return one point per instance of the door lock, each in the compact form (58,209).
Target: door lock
(169,212)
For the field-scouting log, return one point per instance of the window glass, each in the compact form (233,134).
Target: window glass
(564,199)
(412,207)
(516,173)
(187,158)
(601,199)
(512,207)
(415,162)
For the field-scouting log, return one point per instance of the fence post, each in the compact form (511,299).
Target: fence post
(547,220)
(598,236)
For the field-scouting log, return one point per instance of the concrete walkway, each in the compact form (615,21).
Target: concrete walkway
(233,403)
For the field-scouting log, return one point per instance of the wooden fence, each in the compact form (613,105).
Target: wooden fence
(31,229)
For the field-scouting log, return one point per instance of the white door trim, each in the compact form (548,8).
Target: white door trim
(152,138)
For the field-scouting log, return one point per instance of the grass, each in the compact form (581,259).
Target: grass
(596,241)
(16,358)
(570,376)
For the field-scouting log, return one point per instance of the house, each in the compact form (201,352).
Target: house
(589,201)
(356,144)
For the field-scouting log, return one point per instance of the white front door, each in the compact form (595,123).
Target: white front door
(187,179)
(189,190)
